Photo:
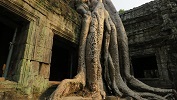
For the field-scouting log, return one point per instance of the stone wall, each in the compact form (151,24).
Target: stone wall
(151,29)
(30,70)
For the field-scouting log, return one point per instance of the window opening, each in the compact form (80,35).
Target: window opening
(64,59)
(145,67)
(11,29)
(5,39)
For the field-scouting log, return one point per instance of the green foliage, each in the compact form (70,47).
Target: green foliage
(121,11)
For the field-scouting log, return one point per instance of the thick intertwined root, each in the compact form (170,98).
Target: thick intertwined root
(124,57)
(105,19)
(69,86)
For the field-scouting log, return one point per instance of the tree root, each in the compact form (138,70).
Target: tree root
(141,86)
(69,86)
(122,86)
(116,43)
(151,96)
(125,61)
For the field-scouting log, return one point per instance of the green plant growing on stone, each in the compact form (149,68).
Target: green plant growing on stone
(121,11)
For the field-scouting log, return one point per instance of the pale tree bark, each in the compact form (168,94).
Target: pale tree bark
(123,50)
(103,34)
(69,86)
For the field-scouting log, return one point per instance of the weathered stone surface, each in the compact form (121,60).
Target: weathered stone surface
(25,73)
(44,18)
(35,67)
(39,53)
(49,39)
(45,70)
(31,33)
(31,67)
(47,56)
(28,51)
(151,28)
(40,84)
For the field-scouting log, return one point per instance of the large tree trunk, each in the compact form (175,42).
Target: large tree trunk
(124,57)
(103,27)
(69,86)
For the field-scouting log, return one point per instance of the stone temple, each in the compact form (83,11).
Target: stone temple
(152,34)
(35,32)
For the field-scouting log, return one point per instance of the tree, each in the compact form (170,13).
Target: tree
(121,11)
(103,51)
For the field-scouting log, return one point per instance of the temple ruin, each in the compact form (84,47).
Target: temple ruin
(151,30)
(34,32)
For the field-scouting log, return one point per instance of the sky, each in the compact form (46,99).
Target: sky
(128,4)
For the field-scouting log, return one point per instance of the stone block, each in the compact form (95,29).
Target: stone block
(47,56)
(40,84)
(42,54)
(31,38)
(24,74)
(40,36)
(49,39)
(38,53)
(24,80)
(28,51)
(35,67)
(45,70)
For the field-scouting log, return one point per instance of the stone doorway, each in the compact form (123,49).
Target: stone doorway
(145,67)
(5,39)
(64,59)
(13,31)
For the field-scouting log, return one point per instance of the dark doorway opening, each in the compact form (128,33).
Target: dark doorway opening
(145,67)
(9,23)
(64,59)
(5,39)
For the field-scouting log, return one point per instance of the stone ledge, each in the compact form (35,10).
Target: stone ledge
(7,85)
